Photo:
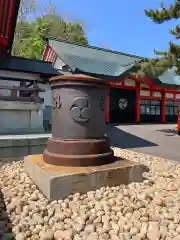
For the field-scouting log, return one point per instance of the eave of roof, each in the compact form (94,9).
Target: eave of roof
(167,79)
(170,78)
(20,64)
(102,76)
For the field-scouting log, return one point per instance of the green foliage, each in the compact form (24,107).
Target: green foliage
(170,58)
(29,38)
(164,14)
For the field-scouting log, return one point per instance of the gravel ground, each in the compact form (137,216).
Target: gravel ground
(147,210)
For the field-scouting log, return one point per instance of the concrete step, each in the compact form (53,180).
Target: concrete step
(18,146)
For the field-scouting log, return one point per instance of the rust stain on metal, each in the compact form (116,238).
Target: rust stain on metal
(78,153)
(120,163)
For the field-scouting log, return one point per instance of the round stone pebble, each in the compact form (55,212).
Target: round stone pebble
(147,210)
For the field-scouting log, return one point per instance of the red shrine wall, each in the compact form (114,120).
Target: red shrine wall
(164,101)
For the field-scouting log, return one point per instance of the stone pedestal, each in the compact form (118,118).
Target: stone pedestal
(57,182)
(20,117)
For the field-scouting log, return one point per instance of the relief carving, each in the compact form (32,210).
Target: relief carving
(80,109)
(56,101)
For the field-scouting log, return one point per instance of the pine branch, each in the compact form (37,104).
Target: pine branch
(155,67)
(176,32)
(160,53)
(164,14)
(174,50)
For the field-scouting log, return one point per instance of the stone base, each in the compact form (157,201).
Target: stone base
(58,182)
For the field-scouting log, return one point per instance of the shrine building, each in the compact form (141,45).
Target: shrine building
(130,99)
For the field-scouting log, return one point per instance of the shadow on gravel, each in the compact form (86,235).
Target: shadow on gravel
(5,223)
(122,139)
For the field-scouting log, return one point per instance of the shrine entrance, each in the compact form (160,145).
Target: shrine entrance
(122,105)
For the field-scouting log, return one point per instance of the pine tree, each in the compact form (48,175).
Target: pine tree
(164,60)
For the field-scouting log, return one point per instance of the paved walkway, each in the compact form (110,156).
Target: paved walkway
(159,139)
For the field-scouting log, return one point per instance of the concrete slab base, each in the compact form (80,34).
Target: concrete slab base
(57,182)
(19,146)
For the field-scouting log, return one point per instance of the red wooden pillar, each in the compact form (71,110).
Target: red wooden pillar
(107,108)
(163,108)
(137,102)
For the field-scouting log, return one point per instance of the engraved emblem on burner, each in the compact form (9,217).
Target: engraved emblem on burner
(80,109)
(56,101)
(102,103)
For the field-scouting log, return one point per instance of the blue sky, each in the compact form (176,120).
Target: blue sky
(119,25)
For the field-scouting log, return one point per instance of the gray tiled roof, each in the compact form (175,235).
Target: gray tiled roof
(93,60)
(93,65)
(170,78)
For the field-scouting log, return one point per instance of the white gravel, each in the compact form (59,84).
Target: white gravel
(147,210)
